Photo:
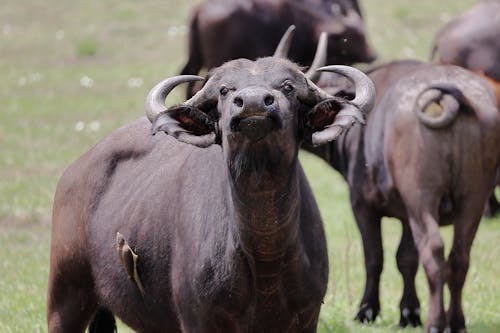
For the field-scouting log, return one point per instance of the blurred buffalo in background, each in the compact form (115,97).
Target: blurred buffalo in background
(221,30)
(472,40)
(426,156)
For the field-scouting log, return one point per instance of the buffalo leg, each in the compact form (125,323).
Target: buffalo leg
(465,228)
(371,234)
(430,246)
(407,260)
(71,300)
(70,308)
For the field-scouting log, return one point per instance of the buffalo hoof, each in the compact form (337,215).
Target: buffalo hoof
(367,314)
(492,207)
(410,317)
(434,329)
(491,211)
(456,323)
(456,329)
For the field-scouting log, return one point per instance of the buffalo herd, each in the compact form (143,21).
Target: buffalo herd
(199,216)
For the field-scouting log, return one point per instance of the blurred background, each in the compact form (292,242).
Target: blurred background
(72,71)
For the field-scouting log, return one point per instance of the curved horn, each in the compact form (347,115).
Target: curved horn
(350,113)
(365,89)
(319,58)
(155,102)
(284,44)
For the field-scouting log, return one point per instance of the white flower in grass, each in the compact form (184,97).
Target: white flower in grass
(35,77)
(409,52)
(60,34)
(22,81)
(173,31)
(135,82)
(445,17)
(79,126)
(6,29)
(183,29)
(86,81)
(94,126)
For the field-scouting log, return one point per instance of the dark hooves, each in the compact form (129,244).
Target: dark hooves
(410,317)
(492,211)
(434,329)
(492,207)
(367,314)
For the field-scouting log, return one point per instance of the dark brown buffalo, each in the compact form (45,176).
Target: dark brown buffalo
(472,41)
(212,228)
(426,156)
(252,29)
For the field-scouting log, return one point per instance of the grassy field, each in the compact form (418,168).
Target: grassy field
(72,71)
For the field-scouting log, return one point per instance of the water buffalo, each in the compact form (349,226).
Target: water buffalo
(426,156)
(471,40)
(211,228)
(252,29)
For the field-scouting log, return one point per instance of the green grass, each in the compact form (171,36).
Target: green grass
(87,47)
(57,101)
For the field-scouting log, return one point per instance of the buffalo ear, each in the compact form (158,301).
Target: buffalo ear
(323,114)
(330,118)
(187,124)
(320,117)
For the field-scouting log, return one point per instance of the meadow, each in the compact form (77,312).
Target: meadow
(72,71)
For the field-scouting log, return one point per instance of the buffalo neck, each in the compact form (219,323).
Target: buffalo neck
(267,210)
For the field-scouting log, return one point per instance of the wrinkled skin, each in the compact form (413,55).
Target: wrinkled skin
(228,237)
(221,30)
(471,41)
(386,165)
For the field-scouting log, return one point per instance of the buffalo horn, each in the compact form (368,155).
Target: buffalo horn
(155,102)
(365,90)
(319,58)
(284,44)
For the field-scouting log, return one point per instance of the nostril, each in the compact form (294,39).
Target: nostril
(238,102)
(268,100)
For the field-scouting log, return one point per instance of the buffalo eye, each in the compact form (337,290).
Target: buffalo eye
(223,91)
(287,87)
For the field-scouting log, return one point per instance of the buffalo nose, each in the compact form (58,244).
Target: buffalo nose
(255,113)
(253,100)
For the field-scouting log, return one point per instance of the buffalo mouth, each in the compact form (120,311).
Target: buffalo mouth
(255,127)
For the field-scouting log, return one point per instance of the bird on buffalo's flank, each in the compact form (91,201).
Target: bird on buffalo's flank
(129,260)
